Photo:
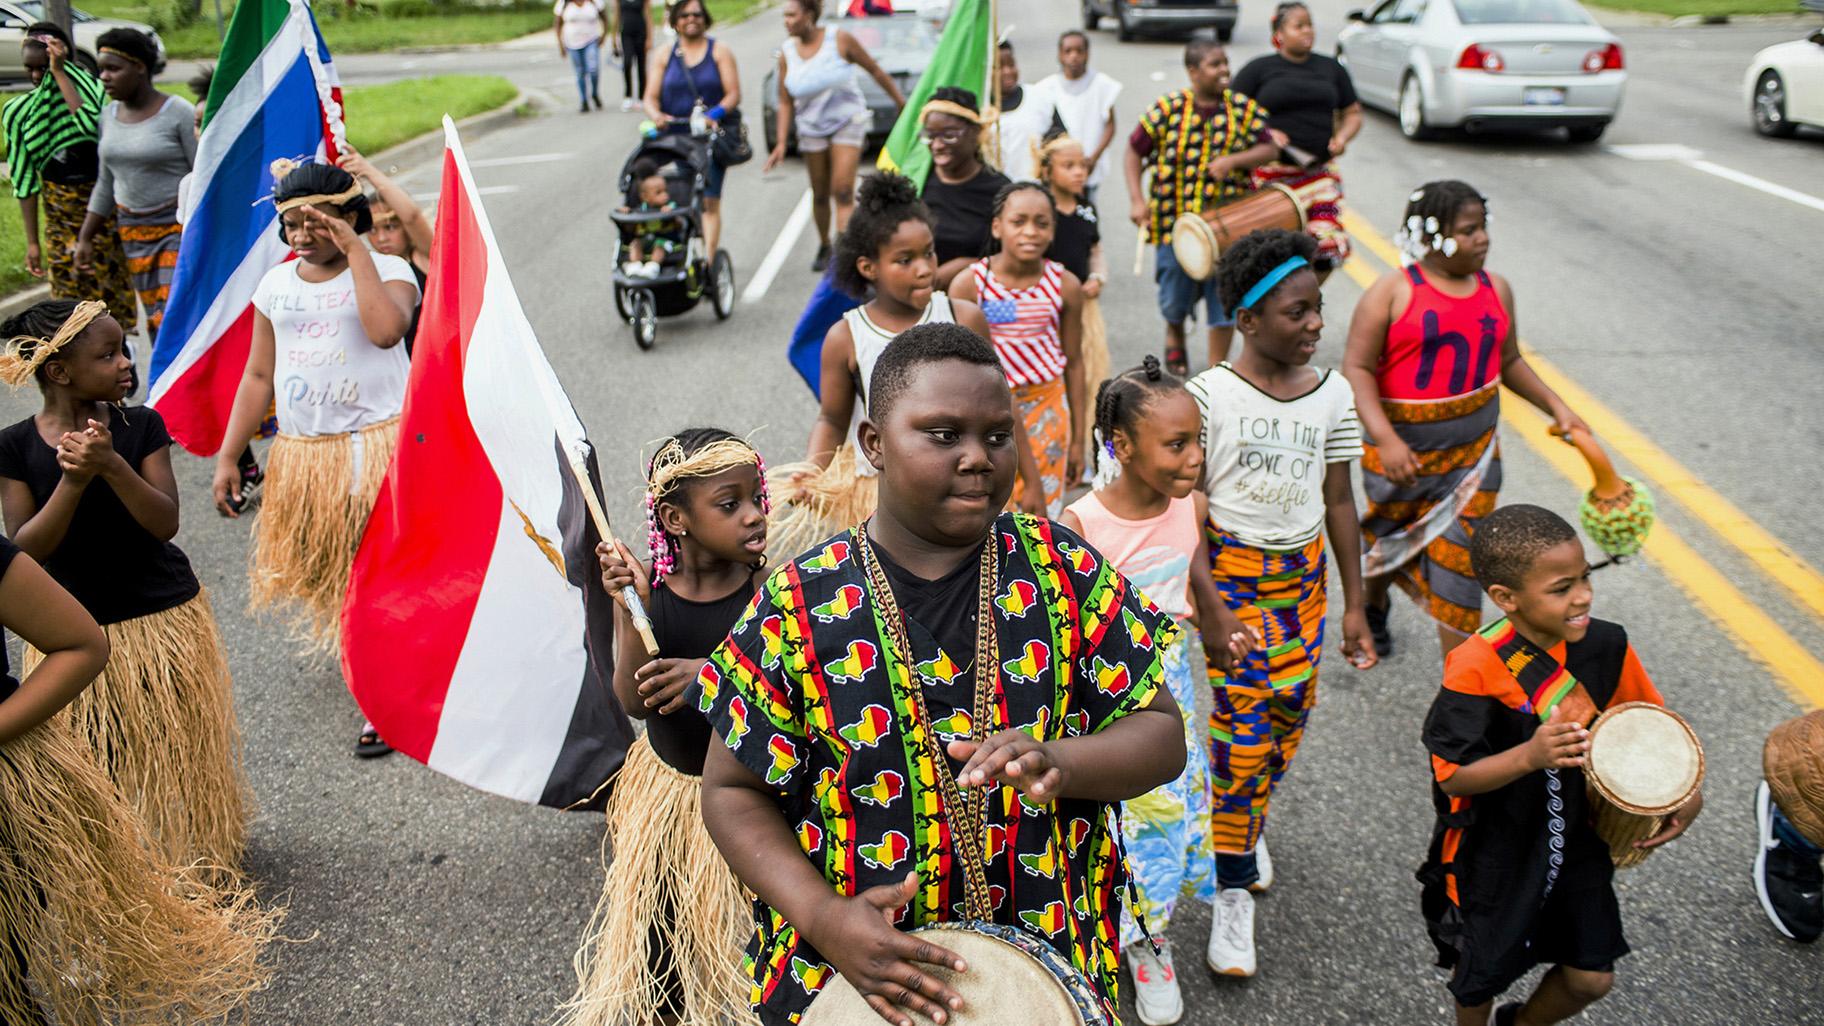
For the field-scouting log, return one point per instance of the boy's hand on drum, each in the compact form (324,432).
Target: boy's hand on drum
(1558,743)
(1675,824)
(882,964)
(619,569)
(662,682)
(1013,758)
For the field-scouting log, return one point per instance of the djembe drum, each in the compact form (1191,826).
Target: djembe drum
(1198,240)
(1644,764)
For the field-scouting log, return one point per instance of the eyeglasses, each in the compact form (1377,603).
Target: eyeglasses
(699,15)
(947,136)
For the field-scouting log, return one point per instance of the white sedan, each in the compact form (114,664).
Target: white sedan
(1785,86)
(1476,64)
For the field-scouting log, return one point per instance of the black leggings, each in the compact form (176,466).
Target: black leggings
(633,59)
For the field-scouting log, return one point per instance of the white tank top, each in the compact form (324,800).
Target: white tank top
(825,95)
(870,341)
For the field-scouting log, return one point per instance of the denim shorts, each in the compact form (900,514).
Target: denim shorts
(1179,292)
(712,178)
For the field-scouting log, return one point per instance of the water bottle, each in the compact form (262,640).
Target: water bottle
(699,120)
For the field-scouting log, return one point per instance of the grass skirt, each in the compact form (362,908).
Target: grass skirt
(319,492)
(667,883)
(1095,371)
(108,930)
(160,719)
(823,501)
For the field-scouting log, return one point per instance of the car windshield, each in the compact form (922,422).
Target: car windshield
(34,9)
(1521,12)
(901,36)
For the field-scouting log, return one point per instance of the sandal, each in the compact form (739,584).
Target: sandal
(370,745)
(1177,361)
(1377,629)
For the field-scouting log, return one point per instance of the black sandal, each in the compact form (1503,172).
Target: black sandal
(370,745)
(1377,629)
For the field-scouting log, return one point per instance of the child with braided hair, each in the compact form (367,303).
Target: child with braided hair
(1432,465)
(887,256)
(671,916)
(1077,244)
(87,489)
(1145,517)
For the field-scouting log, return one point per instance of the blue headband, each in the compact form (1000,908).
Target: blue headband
(1274,277)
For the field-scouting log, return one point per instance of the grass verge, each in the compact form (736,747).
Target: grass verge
(1702,8)
(12,244)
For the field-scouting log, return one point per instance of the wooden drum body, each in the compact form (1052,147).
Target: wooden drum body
(1645,762)
(1013,977)
(1198,240)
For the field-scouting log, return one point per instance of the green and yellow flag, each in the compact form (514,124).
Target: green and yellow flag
(964,59)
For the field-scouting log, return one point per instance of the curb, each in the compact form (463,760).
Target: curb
(1614,17)
(412,151)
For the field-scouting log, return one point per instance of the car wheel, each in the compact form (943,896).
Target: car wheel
(1770,106)
(1123,31)
(1412,110)
(1091,20)
(645,319)
(1224,33)
(1583,135)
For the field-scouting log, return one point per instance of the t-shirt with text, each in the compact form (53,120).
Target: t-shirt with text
(1266,457)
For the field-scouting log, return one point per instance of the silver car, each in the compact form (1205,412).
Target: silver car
(15,15)
(1476,64)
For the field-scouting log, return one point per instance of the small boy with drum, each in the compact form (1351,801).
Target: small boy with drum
(927,718)
(1516,875)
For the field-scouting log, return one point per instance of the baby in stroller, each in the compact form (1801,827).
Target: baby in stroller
(653,240)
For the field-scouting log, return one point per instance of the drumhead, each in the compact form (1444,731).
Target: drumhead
(1194,244)
(1005,983)
(1644,758)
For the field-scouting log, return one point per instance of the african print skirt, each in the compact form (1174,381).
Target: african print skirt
(150,240)
(1046,414)
(1322,220)
(1258,714)
(61,212)
(1167,830)
(1420,532)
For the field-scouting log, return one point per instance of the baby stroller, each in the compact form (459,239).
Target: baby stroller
(684,273)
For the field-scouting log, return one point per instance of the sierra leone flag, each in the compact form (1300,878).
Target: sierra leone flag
(964,59)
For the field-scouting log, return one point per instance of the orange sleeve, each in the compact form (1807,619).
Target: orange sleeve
(1635,685)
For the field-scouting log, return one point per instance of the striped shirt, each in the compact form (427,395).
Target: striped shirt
(1180,140)
(1023,323)
(38,124)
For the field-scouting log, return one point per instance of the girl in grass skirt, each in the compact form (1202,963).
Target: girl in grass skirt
(86,487)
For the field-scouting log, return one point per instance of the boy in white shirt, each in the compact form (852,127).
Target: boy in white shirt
(1085,102)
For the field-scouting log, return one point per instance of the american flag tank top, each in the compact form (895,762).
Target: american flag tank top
(1023,323)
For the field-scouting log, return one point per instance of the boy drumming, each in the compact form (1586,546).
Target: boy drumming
(1516,876)
(1037,670)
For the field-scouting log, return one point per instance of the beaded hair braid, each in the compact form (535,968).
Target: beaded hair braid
(686,456)
(1429,212)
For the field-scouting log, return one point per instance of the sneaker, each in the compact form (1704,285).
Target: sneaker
(822,259)
(632,268)
(649,269)
(1263,864)
(252,478)
(1156,995)
(1790,884)
(628,106)
(1377,629)
(1231,949)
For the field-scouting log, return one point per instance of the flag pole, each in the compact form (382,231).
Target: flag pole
(641,622)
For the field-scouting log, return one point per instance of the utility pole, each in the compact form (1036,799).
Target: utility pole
(57,12)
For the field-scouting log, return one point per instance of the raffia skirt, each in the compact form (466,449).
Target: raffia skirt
(160,719)
(822,501)
(98,926)
(1095,371)
(667,935)
(319,492)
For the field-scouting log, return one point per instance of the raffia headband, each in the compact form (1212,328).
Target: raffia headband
(1041,154)
(24,354)
(123,55)
(985,116)
(284,166)
(670,465)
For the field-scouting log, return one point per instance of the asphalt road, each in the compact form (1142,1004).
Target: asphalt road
(1685,302)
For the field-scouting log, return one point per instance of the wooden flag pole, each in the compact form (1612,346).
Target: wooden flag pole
(641,622)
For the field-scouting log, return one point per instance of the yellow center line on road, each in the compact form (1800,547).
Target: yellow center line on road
(1751,629)
(1665,475)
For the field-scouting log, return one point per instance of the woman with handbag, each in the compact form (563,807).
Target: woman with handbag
(695,88)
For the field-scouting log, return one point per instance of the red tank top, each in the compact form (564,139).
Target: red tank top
(1443,346)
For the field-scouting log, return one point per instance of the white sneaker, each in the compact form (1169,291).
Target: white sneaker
(650,269)
(1231,950)
(632,268)
(627,106)
(1263,864)
(1156,995)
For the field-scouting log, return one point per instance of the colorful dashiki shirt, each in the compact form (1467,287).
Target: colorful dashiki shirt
(808,693)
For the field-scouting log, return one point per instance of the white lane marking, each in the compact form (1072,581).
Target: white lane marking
(486,190)
(782,248)
(1157,76)
(524,158)
(1693,159)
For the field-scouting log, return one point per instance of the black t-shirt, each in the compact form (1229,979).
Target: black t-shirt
(633,17)
(1301,97)
(945,608)
(8,682)
(411,330)
(114,567)
(961,213)
(1077,234)
(686,629)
